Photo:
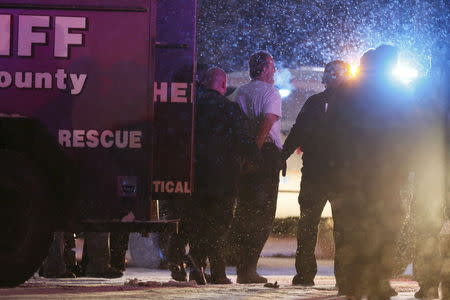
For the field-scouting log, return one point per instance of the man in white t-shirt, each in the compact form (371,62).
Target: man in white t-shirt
(258,190)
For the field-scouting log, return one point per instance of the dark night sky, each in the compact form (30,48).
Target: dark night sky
(313,32)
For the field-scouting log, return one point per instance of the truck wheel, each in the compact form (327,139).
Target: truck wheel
(26,232)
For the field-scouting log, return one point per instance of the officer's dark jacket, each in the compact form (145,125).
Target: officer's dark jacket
(432,132)
(308,133)
(217,144)
(431,106)
(370,132)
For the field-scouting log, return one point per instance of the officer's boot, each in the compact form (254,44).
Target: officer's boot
(218,275)
(197,265)
(246,270)
(118,246)
(54,265)
(98,256)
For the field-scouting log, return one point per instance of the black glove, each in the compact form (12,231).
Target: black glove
(283,168)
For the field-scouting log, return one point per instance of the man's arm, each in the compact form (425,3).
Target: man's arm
(292,141)
(267,123)
(301,129)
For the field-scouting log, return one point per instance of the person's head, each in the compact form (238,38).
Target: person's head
(335,73)
(216,79)
(386,57)
(381,60)
(262,66)
(367,61)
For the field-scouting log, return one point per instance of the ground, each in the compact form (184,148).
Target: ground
(156,284)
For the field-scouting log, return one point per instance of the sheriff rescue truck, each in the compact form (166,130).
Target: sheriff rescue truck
(96,117)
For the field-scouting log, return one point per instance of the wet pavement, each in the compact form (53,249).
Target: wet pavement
(276,263)
(157,284)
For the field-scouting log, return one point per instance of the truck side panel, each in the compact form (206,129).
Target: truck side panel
(173,97)
(84,69)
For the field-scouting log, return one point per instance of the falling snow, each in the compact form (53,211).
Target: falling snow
(314,32)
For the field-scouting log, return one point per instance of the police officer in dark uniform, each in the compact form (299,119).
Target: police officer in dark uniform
(430,173)
(174,244)
(370,134)
(217,140)
(308,133)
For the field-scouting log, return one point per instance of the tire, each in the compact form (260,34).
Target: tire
(144,251)
(24,218)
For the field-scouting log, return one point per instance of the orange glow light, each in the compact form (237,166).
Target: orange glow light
(354,70)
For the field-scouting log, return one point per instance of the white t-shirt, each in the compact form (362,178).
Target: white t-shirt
(257,98)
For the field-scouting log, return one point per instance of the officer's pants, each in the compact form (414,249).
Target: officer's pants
(255,210)
(369,219)
(428,214)
(312,200)
(211,219)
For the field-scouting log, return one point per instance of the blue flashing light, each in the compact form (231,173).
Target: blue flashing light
(284,93)
(405,74)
